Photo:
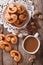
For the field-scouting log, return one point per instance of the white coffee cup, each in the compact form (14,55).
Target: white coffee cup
(36,37)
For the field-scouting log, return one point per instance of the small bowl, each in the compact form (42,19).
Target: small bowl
(29,12)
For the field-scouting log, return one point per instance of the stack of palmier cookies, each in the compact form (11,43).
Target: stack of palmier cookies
(6,42)
(16,15)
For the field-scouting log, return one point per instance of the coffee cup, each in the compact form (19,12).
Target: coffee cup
(32,41)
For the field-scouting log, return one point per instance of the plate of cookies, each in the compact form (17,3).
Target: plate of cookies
(17,14)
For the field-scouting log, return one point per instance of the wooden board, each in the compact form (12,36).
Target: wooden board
(5,58)
(1,52)
(39,59)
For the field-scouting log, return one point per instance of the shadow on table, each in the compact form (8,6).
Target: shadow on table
(39,55)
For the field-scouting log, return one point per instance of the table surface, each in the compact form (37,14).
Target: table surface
(5,58)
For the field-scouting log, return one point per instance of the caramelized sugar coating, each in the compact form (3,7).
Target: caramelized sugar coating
(10,18)
(19,23)
(2,45)
(16,15)
(5,45)
(21,8)
(12,9)
(11,38)
(7,17)
(16,55)
(24,16)
(2,37)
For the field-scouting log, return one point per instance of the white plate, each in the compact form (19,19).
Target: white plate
(30,8)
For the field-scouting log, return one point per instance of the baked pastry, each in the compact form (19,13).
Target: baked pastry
(16,55)
(11,38)
(10,18)
(12,8)
(2,37)
(5,45)
(24,16)
(16,15)
(19,23)
(7,17)
(21,8)
(2,46)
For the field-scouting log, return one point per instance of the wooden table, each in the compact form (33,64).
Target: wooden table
(5,58)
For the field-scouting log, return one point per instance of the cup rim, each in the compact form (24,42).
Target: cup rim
(37,47)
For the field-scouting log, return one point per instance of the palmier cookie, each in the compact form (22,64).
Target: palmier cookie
(2,46)
(23,17)
(7,17)
(19,23)
(2,37)
(21,8)
(12,8)
(16,55)
(11,38)
(7,46)
(10,18)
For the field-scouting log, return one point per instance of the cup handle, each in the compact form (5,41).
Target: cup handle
(36,35)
